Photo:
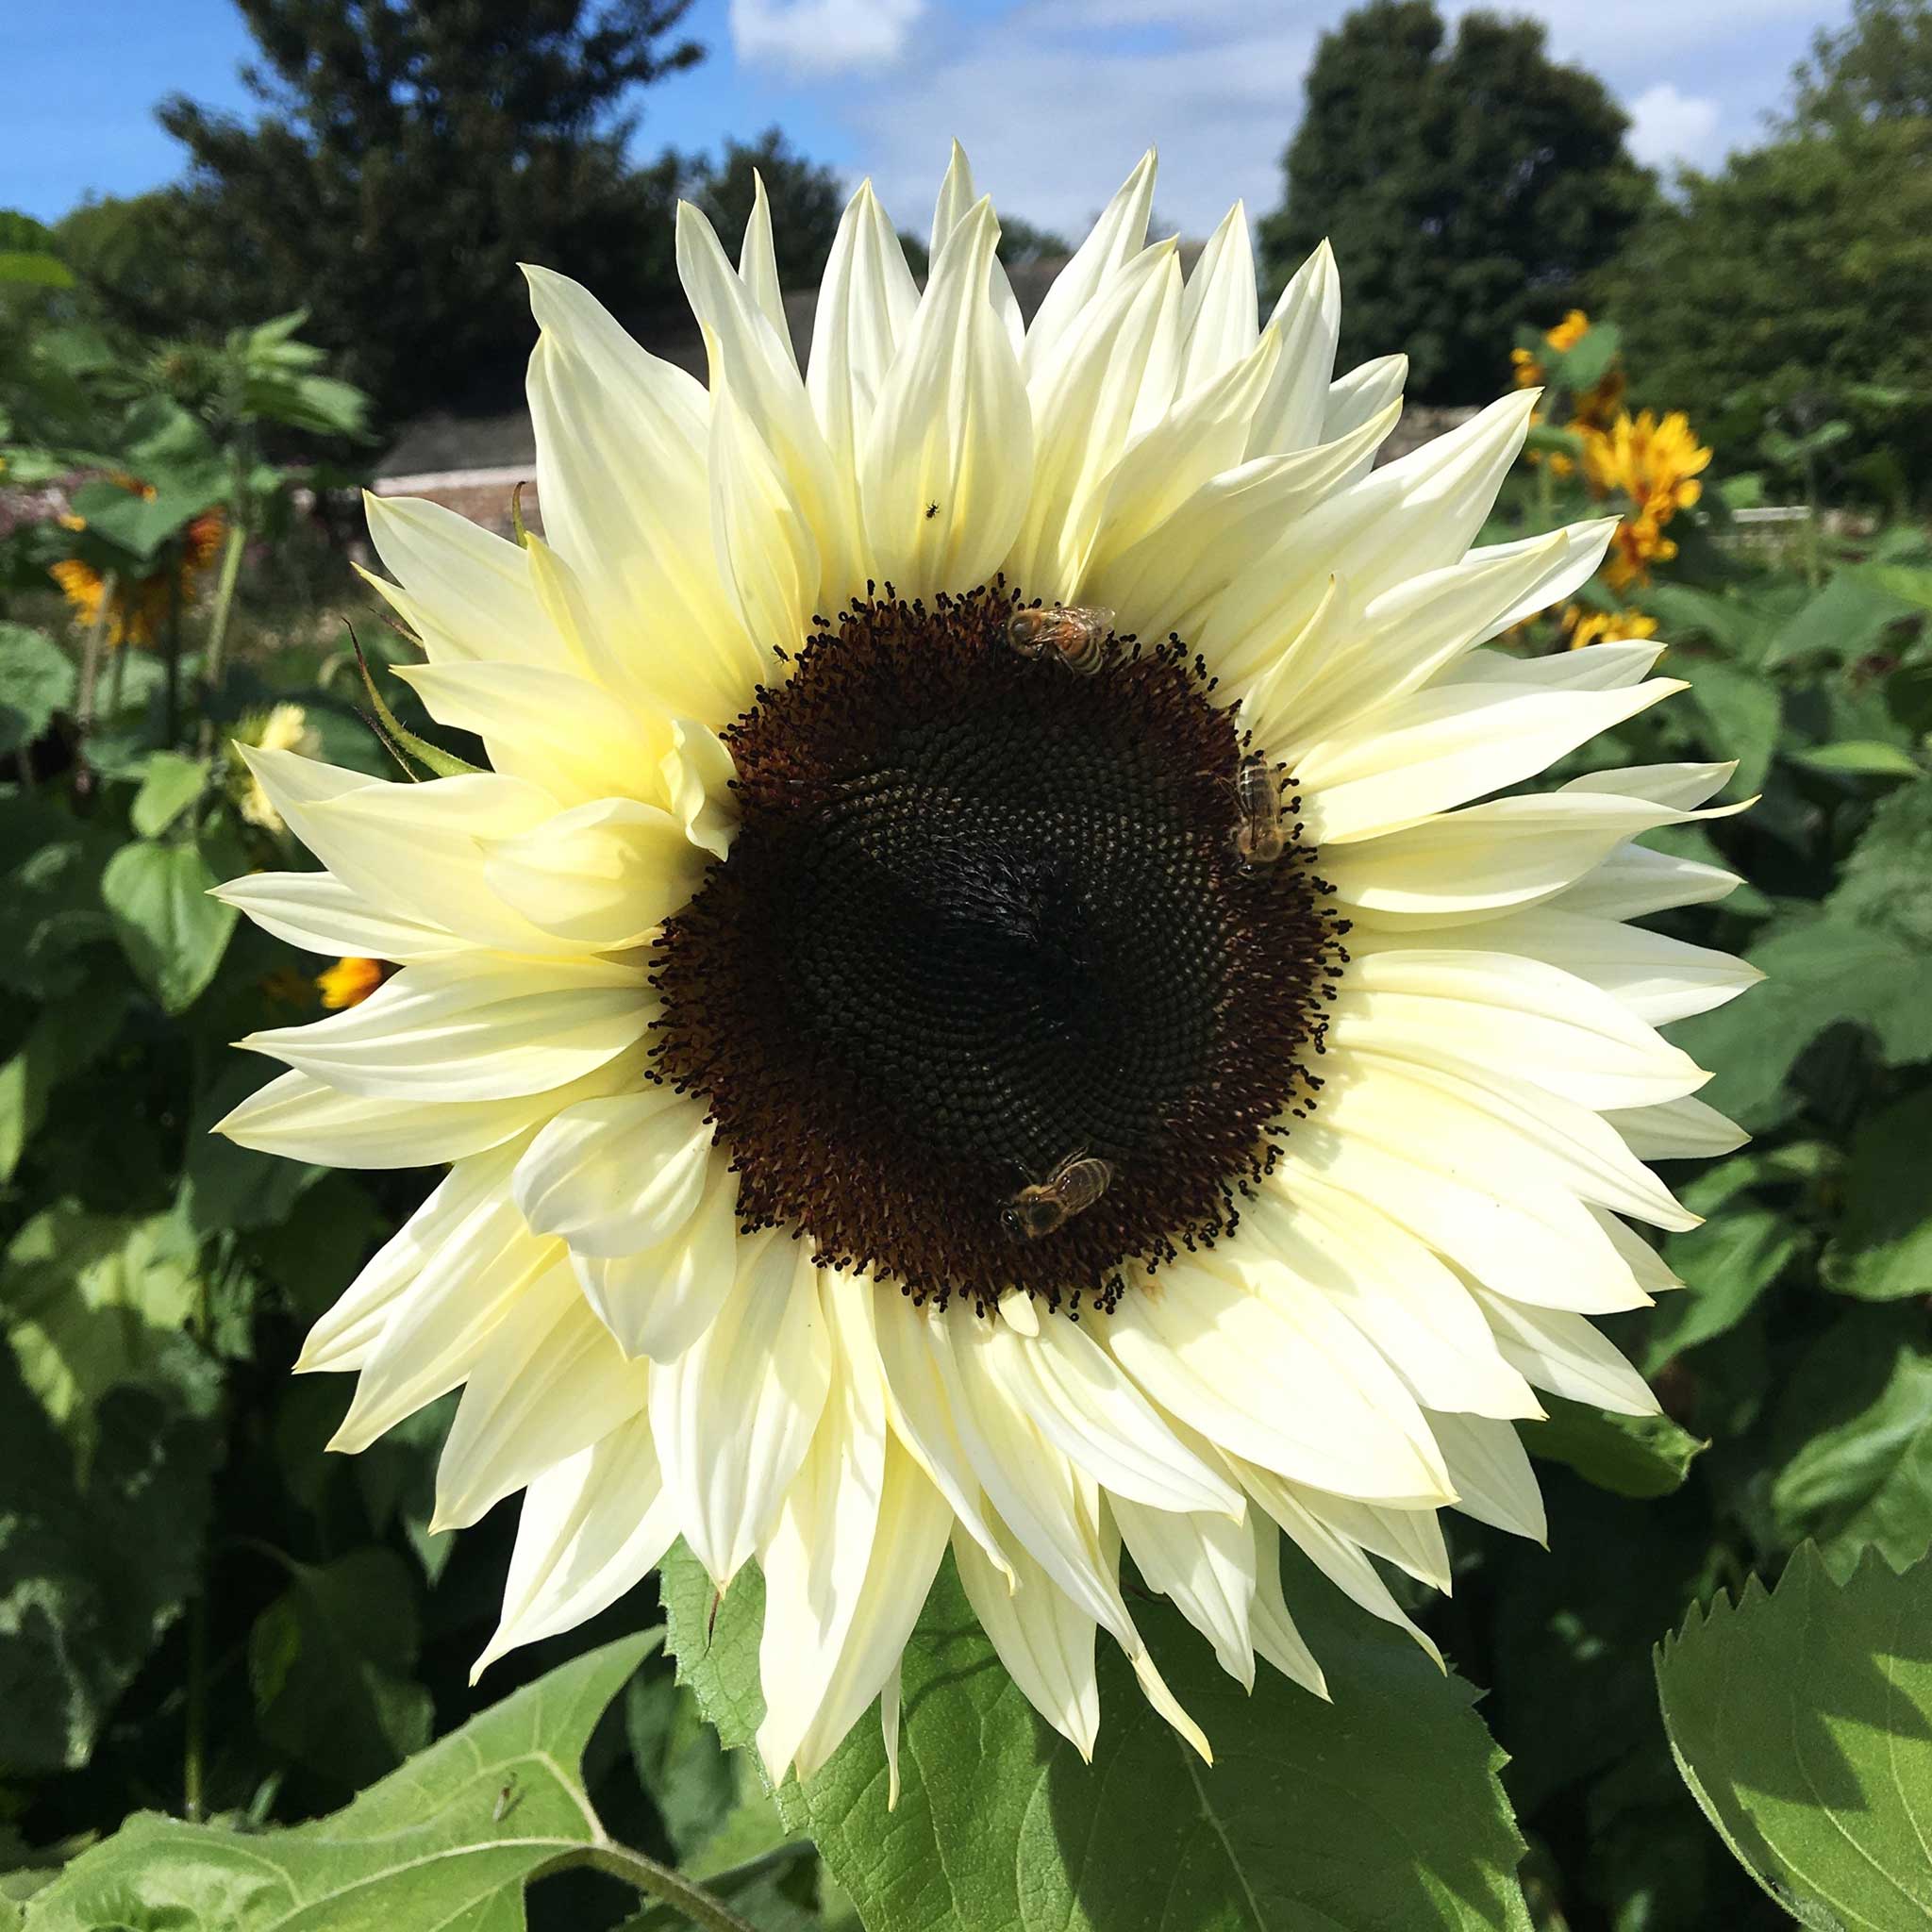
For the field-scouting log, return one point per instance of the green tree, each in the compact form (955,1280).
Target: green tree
(409,155)
(1876,68)
(1469,184)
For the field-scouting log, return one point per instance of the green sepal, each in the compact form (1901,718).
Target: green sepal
(402,744)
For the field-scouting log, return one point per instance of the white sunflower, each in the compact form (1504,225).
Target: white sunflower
(999,992)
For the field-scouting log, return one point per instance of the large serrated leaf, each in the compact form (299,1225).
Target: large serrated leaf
(1802,1720)
(449,1840)
(1379,1813)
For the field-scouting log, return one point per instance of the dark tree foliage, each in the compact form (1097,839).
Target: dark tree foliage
(806,201)
(1795,286)
(1876,68)
(409,155)
(1470,185)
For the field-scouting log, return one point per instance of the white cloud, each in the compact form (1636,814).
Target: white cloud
(1667,127)
(1055,122)
(821,36)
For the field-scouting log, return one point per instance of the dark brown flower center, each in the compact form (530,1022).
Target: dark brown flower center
(984,915)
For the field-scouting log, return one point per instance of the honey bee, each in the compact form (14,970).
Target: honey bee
(1071,1188)
(1077,633)
(1259,837)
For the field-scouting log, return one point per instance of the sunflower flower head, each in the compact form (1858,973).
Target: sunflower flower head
(137,608)
(1007,989)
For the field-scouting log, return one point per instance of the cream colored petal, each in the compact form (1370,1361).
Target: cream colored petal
(410,848)
(622,465)
(1408,634)
(1165,581)
(1115,239)
(465,591)
(819,1548)
(1275,1636)
(1683,1129)
(1589,668)
(767,553)
(1406,996)
(592,1527)
(1493,1480)
(1206,1563)
(1565,1355)
(734,1415)
(1292,415)
(1418,513)
(867,300)
(956,200)
(1044,1639)
(301,1118)
(1409,1538)
(951,429)
(1680,787)
(754,361)
(911,1538)
(659,1301)
(1220,311)
(1441,747)
(473,1028)
(562,733)
(547,1382)
(316,911)
(1360,397)
(1082,400)
(922,1418)
(436,1334)
(614,1176)
(1487,859)
(466,1221)
(1051,1508)
(758,262)
(1337,1557)
(697,771)
(603,875)
(1081,1401)
(1633,882)
(1644,1262)
(1389,1285)
(1197,439)
(1294,1386)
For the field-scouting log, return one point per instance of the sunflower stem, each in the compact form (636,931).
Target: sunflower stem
(218,625)
(658,1882)
(90,678)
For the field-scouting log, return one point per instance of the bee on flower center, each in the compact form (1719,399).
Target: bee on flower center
(1078,634)
(1260,833)
(1070,1188)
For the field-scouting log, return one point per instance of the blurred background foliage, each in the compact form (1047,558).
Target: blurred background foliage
(203,1614)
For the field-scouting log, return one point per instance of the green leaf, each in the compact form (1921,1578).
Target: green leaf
(33,268)
(449,1841)
(1859,758)
(141,525)
(1745,715)
(170,785)
(95,1559)
(1849,617)
(1724,1266)
(172,933)
(93,1301)
(1882,1248)
(1886,884)
(37,678)
(1628,1455)
(1379,1810)
(1817,975)
(62,1042)
(329,1665)
(1802,1721)
(1857,1415)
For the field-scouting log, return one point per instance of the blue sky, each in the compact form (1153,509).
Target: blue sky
(1054,98)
